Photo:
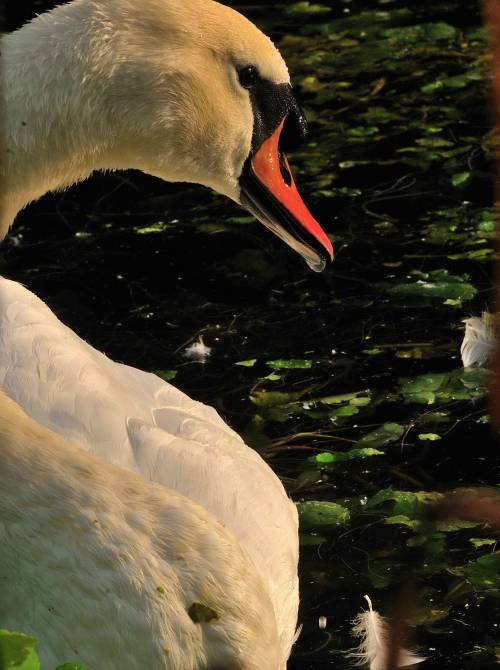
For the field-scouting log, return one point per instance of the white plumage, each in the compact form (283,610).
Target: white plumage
(479,340)
(137,421)
(107,568)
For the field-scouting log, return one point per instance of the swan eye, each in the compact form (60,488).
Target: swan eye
(248,76)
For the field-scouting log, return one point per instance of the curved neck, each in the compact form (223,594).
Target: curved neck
(62,117)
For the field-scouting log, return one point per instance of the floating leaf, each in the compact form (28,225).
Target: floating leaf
(402,520)
(345,410)
(324,457)
(421,32)
(389,432)
(166,375)
(158,227)
(432,437)
(360,401)
(484,572)
(17,651)
(452,525)
(273,377)
(382,496)
(436,284)
(240,220)
(460,178)
(462,384)
(290,364)
(306,7)
(272,398)
(434,544)
(406,503)
(412,503)
(328,457)
(341,398)
(482,541)
(363,131)
(247,364)
(70,666)
(313,513)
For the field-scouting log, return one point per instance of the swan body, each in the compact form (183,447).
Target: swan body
(106,567)
(139,422)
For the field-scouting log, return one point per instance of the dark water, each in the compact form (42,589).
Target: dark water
(398,168)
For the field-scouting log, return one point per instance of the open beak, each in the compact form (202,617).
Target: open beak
(268,191)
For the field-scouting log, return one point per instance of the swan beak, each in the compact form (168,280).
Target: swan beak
(268,191)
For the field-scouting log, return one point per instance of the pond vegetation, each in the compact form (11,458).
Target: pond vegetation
(349,382)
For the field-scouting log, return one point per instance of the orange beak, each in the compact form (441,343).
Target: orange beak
(269,192)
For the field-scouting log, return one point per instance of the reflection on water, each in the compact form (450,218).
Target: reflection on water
(349,382)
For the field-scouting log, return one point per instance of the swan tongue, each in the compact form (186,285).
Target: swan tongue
(269,192)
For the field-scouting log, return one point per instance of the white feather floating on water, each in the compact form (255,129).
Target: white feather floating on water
(198,351)
(479,339)
(373,649)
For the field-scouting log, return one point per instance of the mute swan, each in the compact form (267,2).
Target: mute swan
(107,567)
(187,92)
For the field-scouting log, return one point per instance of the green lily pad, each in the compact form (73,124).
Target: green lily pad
(272,398)
(154,228)
(305,7)
(402,520)
(482,541)
(387,433)
(17,651)
(452,525)
(290,364)
(345,410)
(422,32)
(273,377)
(327,457)
(406,503)
(363,131)
(440,387)
(484,572)
(460,178)
(316,513)
(166,375)
(247,364)
(343,398)
(436,284)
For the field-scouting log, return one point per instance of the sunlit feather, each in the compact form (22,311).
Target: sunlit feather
(478,341)
(372,651)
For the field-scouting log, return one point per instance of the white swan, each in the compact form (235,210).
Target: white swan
(187,92)
(119,572)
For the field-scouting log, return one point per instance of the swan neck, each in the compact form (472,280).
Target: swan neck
(59,121)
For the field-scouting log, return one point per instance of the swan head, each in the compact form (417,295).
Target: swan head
(186,91)
(216,108)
